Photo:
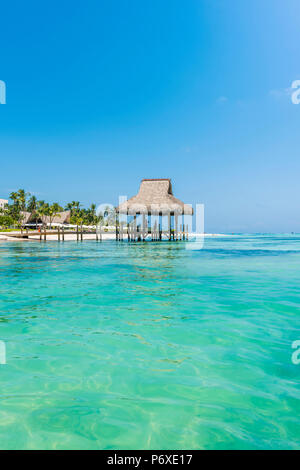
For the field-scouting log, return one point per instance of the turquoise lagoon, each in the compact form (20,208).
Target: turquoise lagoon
(150,345)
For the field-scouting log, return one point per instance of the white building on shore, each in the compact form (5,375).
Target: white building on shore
(3,203)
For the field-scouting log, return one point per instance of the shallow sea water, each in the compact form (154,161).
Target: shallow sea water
(150,345)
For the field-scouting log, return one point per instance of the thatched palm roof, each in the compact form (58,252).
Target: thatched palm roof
(155,196)
(25,217)
(61,218)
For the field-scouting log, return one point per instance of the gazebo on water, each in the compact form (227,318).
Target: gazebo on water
(154,211)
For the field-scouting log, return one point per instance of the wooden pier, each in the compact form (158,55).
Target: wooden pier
(154,199)
(128,232)
(133,233)
(60,233)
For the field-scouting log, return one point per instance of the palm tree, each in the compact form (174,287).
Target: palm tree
(42,210)
(89,214)
(32,206)
(19,199)
(92,210)
(23,198)
(73,206)
(98,220)
(78,219)
(54,211)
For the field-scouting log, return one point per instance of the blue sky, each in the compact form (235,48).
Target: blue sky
(103,94)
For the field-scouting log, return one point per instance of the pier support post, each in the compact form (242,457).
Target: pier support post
(169,224)
(154,231)
(176,227)
(135,229)
(144,228)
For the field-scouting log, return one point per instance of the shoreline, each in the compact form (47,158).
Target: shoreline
(87,236)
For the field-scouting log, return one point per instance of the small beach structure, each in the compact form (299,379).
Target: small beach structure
(61,218)
(3,203)
(35,219)
(154,212)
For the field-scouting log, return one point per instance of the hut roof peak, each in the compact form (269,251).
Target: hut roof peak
(155,196)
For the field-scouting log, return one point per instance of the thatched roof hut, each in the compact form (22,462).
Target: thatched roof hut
(60,218)
(155,196)
(25,217)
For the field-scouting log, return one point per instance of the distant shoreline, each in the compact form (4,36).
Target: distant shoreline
(87,236)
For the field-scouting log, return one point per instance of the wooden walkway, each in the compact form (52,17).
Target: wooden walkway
(131,233)
(138,234)
(28,234)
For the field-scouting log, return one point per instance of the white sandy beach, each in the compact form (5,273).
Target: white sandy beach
(91,236)
(68,237)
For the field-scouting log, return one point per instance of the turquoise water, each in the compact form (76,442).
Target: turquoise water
(150,346)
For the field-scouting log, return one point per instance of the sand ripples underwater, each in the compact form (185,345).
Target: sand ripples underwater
(149,346)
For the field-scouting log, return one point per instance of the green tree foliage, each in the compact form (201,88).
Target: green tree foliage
(17,209)
(14,214)
(32,205)
(80,216)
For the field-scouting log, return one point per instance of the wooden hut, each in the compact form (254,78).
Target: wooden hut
(154,211)
(61,218)
(34,218)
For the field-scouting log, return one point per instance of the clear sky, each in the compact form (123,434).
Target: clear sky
(101,94)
